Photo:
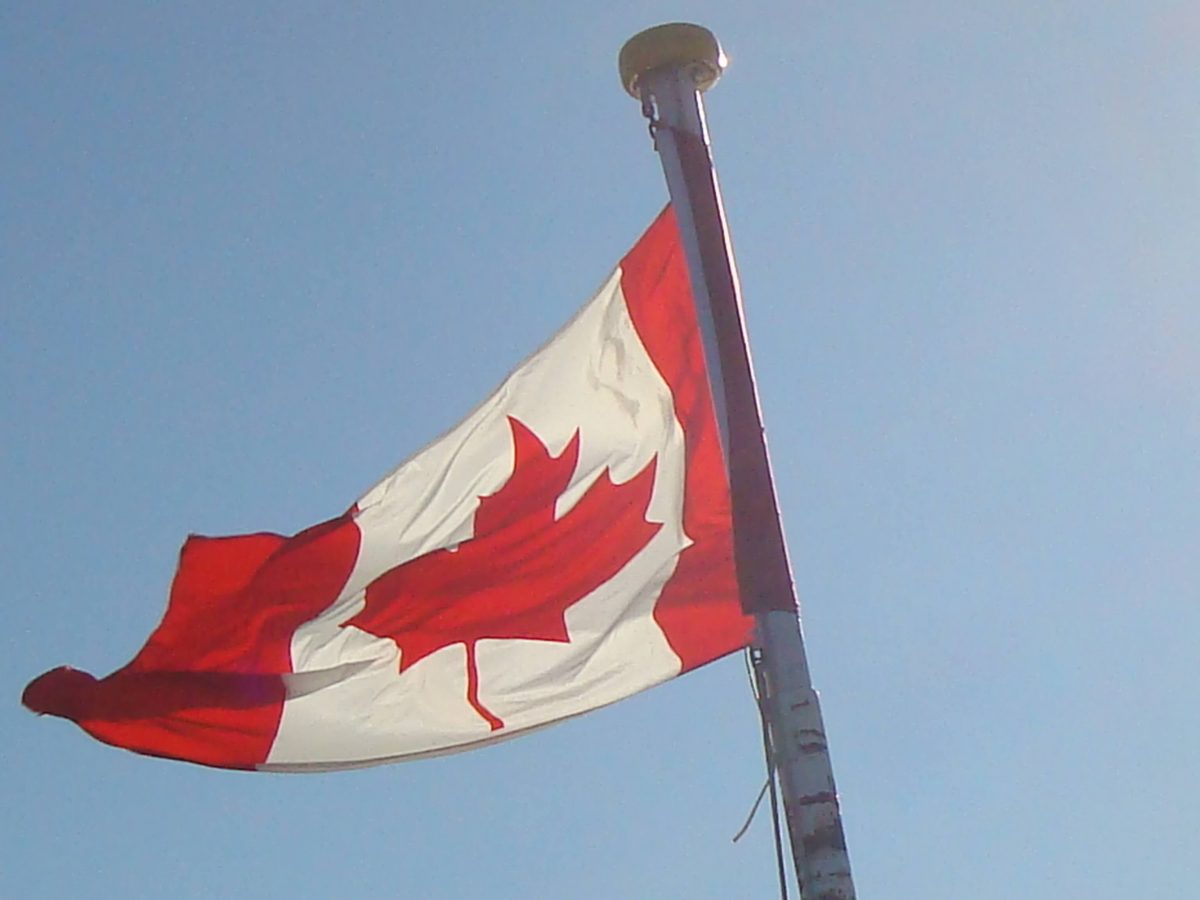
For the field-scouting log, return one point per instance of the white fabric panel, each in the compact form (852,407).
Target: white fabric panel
(594,376)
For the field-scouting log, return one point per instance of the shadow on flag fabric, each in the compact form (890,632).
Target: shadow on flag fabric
(565,546)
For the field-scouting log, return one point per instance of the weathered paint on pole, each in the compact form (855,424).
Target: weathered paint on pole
(667,68)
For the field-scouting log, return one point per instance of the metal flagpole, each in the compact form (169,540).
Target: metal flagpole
(667,68)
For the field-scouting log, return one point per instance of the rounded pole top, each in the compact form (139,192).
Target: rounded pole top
(679,45)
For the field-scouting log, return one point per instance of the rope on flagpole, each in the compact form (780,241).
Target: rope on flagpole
(753,811)
(760,689)
(756,675)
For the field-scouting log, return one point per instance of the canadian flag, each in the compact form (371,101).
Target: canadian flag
(565,546)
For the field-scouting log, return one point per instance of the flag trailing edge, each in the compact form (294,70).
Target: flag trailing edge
(565,546)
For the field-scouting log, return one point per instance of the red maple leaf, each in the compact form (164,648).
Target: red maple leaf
(522,569)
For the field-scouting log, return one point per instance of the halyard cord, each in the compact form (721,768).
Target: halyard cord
(756,672)
(753,811)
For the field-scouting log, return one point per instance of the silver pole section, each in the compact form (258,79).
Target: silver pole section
(667,68)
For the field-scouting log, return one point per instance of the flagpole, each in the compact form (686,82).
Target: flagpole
(667,68)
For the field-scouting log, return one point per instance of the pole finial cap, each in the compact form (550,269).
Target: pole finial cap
(678,45)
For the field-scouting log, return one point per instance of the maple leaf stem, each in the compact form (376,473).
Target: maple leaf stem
(494,722)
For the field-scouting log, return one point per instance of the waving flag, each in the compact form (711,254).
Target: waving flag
(567,545)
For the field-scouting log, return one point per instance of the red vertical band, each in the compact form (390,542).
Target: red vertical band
(764,572)
(208,685)
(698,610)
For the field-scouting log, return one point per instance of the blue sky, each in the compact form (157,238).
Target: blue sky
(255,254)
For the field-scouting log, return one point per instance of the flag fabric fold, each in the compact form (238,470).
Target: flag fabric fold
(568,544)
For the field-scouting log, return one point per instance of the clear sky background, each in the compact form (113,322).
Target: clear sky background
(254,254)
